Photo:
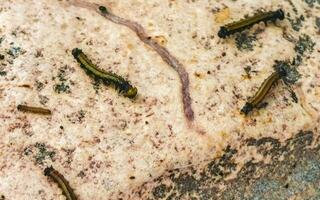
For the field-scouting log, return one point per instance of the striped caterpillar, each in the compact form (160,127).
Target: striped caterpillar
(36,110)
(243,24)
(123,86)
(61,181)
(265,87)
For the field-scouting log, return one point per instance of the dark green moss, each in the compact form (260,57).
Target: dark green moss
(245,41)
(291,73)
(3,73)
(160,191)
(293,169)
(263,181)
(186,183)
(302,139)
(265,145)
(43,153)
(304,44)
(14,51)
(62,88)
(263,141)
(224,166)
(292,76)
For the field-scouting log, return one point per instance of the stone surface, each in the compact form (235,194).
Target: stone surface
(111,147)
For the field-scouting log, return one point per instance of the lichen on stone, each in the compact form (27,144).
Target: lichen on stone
(296,23)
(245,41)
(43,153)
(14,51)
(292,74)
(304,44)
(62,86)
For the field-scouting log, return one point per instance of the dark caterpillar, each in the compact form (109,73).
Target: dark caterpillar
(36,110)
(265,87)
(120,83)
(62,183)
(243,24)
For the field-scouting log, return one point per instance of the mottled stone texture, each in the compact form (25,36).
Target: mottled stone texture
(293,173)
(166,143)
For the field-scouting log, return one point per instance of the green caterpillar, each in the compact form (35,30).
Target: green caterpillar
(36,110)
(243,24)
(265,87)
(120,83)
(61,181)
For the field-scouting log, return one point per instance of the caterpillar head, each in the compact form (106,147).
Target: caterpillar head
(280,14)
(246,109)
(131,92)
(48,170)
(223,33)
(76,52)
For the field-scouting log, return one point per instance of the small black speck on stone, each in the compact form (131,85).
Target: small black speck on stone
(27,151)
(103,9)
(3,73)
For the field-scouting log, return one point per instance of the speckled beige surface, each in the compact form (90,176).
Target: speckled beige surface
(107,145)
